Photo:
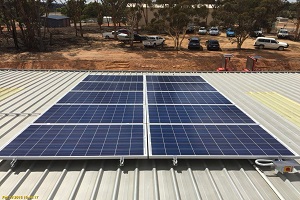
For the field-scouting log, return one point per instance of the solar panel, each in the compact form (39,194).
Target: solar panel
(175,79)
(207,141)
(114,78)
(93,114)
(186,98)
(109,86)
(104,117)
(103,98)
(197,114)
(179,87)
(69,141)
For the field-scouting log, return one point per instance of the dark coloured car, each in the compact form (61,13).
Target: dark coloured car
(194,43)
(139,38)
(190,29)
(213,45)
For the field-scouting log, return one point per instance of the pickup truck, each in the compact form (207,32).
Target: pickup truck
(153,41)
(111,35)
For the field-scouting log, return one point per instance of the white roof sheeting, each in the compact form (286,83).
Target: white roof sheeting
(33,92)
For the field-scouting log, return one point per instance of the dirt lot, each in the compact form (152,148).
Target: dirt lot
(95,53)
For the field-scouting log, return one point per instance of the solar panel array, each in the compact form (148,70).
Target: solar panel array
(144,116)
(188,118)
(102,117)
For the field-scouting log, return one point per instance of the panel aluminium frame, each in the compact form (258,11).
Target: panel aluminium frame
(263,127)
(145,143)
(144,156)
(151,156)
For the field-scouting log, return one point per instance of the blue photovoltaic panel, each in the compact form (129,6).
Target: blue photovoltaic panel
(186,98)
(110,86)
(103,97)
(179,87)
(77,140)
(114,78)
(197,114)
(175,79)
(93,114)
(220,140)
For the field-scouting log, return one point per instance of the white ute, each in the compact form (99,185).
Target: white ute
(109,35)
(153,41)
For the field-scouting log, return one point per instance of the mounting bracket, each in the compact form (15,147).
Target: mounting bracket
(13,163)
(121,161)
(175,161)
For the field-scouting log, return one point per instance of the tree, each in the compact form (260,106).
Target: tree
(175,16)
(240,14)
(115,9)
(26,14)
(74,10)
(94,10)
(266,13)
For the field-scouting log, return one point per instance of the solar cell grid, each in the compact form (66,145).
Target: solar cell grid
(109,86)
(103,97)
(175,79)
(80,140)
(205,140)
(186,98)
(114,78)
(93,114)
(106,118)
(179,87)
(197,114)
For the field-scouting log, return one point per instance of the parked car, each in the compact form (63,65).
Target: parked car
(111,35)
(214,31)
(153,41)
(269,43)
(194,43)
(257,33)
(213,45)
(126,38)
(230,32)
(123,31)
(283,33)
(202,31)
(190,29)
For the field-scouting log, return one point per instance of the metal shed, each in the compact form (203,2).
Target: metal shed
(56,21)
(265,96)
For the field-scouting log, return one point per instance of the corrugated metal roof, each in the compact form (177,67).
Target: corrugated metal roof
(33,92)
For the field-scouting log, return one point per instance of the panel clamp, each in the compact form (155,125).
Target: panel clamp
(13,163)
(121,161)
(175,161)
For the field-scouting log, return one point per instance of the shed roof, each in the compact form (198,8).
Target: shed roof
(26,94)
(57,17)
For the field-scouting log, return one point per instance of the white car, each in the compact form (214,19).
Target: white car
(202,31)
(269,43)
(109,35)
(214,31)
(153,41)
(283,33)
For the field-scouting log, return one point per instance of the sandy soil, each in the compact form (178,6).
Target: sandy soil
(95,53)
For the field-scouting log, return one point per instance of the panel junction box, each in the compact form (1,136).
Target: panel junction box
(285,166)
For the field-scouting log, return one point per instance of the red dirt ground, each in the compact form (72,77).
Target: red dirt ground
(95,53)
